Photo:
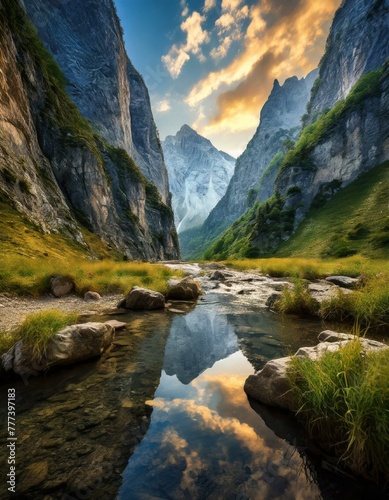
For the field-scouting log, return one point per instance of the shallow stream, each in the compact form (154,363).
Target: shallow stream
(163,414)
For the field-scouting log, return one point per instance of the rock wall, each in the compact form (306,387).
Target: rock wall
(56,169)
(280,120)
(357,43)
(85,38)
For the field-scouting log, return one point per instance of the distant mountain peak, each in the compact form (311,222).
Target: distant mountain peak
(186,129)
(199,175)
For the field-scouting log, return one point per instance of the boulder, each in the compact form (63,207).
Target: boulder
(92,296)
(70,345)
(186,289)
(343,281)
(143,299)
(271,385)
(272,299)
(61,285)
(218,276)
(368,344)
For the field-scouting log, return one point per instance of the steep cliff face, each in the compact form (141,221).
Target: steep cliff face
(348,134)
(351,139)
(280,120)
(199,175)
(85,39)
(332,152)
(56,169)
(358,43)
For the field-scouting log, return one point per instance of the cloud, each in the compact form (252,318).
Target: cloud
(229,27)
(177,56)
(163,106)
(283,38)
(208,5)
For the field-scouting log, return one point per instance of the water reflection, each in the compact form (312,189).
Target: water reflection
(196,342)
(204,439)
(211,444)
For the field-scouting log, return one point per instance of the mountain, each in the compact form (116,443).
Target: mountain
(257,167)
(67,163)
(199,175)
(87,43)
(357,44)
(280,120)
(339,144)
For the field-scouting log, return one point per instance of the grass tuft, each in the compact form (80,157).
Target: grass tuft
(297,300)
(37,329)
(344,404)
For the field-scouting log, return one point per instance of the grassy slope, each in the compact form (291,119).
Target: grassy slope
(355,220)
(20,237)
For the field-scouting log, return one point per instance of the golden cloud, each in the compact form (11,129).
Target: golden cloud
(284,38)
(175,59)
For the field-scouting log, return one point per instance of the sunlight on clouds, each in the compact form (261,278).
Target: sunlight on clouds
(284,37)
(163,106)
(208,5)
(175,59)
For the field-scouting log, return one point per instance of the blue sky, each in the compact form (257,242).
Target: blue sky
(212,63)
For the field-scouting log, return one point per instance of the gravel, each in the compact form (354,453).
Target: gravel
(13,310)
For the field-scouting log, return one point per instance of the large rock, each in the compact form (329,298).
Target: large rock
(143,299)
(271,385)
(61,285)
(70,345)
(186,289)
(343,281)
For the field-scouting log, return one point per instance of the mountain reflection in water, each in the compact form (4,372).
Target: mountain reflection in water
(204,439)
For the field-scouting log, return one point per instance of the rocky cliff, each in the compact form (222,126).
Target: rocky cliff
(341,143)
(55,168)
(199,175)
(85,39)
(280,121)
(357,43)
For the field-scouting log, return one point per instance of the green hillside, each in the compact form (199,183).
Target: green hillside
(354,221)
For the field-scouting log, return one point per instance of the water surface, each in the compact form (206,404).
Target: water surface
(163,414)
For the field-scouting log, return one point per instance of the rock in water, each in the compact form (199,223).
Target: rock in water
(143,299)
(343,281)
(186,289)
(271,385)
(70,345)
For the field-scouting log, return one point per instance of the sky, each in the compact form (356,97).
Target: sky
(212,63)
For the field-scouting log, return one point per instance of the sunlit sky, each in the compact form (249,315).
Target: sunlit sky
(212,63)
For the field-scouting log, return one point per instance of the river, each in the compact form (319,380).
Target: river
(163,414)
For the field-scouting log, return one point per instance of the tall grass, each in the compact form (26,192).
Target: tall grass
(297,300)
(31,277)
(344,404)
(311,268)
(36,330)
(369,305)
